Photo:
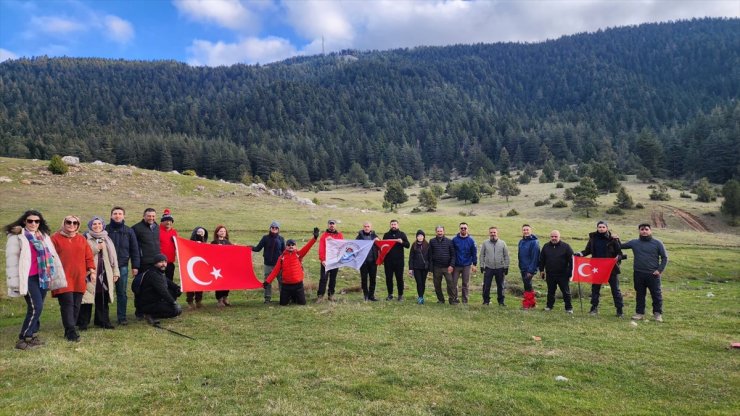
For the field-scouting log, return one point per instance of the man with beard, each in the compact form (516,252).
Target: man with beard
(369,270)
(602,244)
(331,275)
(147,237)
(466,260)
(650,262)
(274,244)
(443,263)
(394,260)
(127,248)
(157,293)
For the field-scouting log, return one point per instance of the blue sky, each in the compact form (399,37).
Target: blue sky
(224,32)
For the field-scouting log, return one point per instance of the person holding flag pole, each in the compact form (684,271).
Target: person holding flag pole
(290,264)
(602,244)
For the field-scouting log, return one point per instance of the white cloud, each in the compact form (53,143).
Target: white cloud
(56,25)
(6,54)
(249,50)
(231,14)
(117,29)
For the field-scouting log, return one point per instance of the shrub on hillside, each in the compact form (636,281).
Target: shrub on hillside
(512,213)
(615,211)
(541,203)
(559,185)
(685,195)
(639,206)
(560,204)
(248,177)
(57,165)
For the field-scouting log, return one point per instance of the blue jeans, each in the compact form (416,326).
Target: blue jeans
(34,307)
(122,294)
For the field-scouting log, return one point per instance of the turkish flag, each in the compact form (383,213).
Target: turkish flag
(207,267)
(591,270)
(385,246)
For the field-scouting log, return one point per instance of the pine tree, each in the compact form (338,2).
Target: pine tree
(507,187)
(548,172)
(624,200)
(427,200)
(731,204)
(585,194)
(504,164)
(704,191)
(394,194)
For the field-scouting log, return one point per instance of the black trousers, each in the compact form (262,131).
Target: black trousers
(221,294)
(331,277)
(488,276)
(69,308)
(420,275)
(160,310)
(102,317)
(198,296)
(368,273)
(643,283)
(170,271)
(292,293)
(555,282)
(616,293)
(394,268)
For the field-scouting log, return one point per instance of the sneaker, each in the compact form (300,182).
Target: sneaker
(150,320)
(365,298)
(400,298)
(390,297)
(191,306)
(620,315)
(22,344)
(569,311)
(372,299)
(123,322)
(658,317)
(547,309)
(35,341)
(320,299)
(442,301)
(72,337)
(198,304)
(502,304)
(332,298)
(594,311)
(638,317)
(221,303)
(486,303)
(420,300)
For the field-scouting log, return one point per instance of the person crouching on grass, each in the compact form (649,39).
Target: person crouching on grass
(290,263)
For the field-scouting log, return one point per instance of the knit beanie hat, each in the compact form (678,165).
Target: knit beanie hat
(275,224)
(166,216)
(159,257)
(420,232)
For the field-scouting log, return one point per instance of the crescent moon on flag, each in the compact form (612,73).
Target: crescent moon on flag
(385,245)
(191,264)
(580,270)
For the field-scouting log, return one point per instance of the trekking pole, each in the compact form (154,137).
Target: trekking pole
(580,297)
(157,325)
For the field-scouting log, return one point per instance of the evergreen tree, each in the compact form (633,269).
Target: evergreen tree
(584,196)
(507,187)
(649,151)
(731,204)
(548,172)
(624,200)
(427,200)
(357,175)
(394,194)
(604,177)
(504,165)
(704,191)
(468,191)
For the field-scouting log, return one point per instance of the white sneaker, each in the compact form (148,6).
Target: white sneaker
(548,309)
(658,317)
(569,311)
(638,317)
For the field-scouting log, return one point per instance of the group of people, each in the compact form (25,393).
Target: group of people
(89,269)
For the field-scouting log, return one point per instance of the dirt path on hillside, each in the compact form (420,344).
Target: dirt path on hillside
(657,218)
(690,219)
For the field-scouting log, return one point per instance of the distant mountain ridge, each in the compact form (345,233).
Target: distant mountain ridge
(395,113)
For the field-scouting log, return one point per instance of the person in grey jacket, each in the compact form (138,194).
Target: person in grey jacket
(494,259)
(649,265)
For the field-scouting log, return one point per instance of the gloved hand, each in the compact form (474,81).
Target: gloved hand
(316,233)
(506,271)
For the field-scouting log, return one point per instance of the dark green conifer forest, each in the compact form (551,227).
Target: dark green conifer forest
(661,97)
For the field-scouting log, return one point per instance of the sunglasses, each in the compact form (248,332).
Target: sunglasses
(28,221)
(274,228)
(68,222)
(463,228)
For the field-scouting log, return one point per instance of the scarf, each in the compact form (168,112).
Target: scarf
(70,235)
(44,259)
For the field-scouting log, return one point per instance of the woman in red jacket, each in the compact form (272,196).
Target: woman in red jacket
(290,263)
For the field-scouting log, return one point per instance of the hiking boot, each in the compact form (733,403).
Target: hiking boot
(372,299)
(638,317)
(123,322)
(221,303)
(36,341)
(320,299)
(332,298)
(22,344)
(268,300)
(658,317)
(400,298)
(150,320)
(390,297)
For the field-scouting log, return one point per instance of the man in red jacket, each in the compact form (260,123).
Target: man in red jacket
(331,275)
(167,234)
(290,263)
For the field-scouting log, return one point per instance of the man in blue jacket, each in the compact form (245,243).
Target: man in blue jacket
(529,257)
(274,245)
(466,260)
(127,248)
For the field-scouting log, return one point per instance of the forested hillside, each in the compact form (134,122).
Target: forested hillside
(663,96)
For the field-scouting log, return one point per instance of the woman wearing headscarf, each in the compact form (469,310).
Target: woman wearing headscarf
(32,267)
(78,263)
(100,289)
(200,235)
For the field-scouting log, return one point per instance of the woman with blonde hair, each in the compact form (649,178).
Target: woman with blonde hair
(32,267)
(100,287)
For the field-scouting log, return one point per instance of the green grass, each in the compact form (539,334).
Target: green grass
(386,357)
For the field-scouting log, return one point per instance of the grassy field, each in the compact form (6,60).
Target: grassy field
(381,358)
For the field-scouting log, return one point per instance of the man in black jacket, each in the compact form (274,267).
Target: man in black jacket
(274,245)
(147,236)
(602,244)
(157,294)
(127,248)
(394,261)
(556,266)
(443,263)
(369,270)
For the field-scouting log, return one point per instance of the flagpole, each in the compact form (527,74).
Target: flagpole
(580,296)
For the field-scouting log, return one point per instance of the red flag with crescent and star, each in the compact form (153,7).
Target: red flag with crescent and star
(384,247)
(207,267)
(591,270)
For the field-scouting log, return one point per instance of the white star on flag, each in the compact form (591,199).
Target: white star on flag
(595,270)
(216,273)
